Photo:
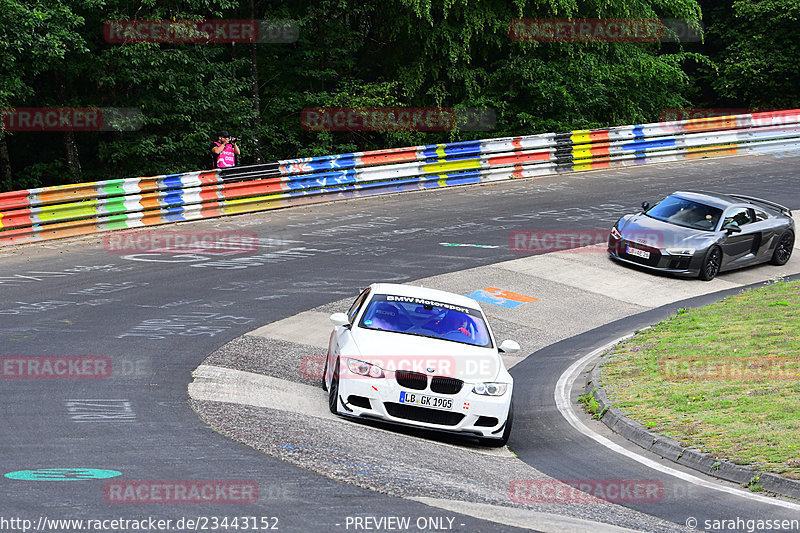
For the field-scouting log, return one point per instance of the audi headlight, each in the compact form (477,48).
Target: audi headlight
(362,368)
(615,233)
(680,251)
(490,389)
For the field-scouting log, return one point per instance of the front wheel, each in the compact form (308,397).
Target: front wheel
(325,374)
(711,264)
(502,441)
(333,394)
(783,251)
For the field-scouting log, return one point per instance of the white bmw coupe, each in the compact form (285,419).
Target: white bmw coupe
(420,357)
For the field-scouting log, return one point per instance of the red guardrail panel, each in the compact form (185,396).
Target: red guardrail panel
(14,200)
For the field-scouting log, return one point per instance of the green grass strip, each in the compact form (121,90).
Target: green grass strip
(724,378)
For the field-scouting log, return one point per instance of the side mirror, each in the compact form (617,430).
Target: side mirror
(645,206)
(508,346)
(340,319)
(731,227)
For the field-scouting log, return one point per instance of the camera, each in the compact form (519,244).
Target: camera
(232,140)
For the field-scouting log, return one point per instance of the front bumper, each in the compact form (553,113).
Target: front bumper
(662,262)
(470,414)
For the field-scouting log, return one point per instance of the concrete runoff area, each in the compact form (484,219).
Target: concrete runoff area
(582,281)
(164,313)
(576,290)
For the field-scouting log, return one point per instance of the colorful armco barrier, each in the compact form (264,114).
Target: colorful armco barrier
(67,210)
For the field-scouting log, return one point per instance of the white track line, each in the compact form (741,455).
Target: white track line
(219,384)
(562,397)
(523,518)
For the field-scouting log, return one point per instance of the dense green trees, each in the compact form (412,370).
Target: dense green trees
(35,38)
(756,52)
(455,53)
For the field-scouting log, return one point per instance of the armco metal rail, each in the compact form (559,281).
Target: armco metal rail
(67,210)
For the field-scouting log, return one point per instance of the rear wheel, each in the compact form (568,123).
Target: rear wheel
(783,251)
(711,264)
(333,394)
(502,441)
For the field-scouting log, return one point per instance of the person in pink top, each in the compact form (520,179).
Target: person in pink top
(224,151)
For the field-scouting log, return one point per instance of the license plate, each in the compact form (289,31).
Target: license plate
(637,252)
(423,400)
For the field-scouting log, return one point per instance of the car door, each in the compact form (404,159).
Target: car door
(341,334)
(769,231)
(738,248)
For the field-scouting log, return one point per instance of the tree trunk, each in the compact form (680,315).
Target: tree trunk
(254,94)
(70,146)
(73,159)
(5,163)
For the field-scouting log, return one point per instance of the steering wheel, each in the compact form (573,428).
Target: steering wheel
(462,331)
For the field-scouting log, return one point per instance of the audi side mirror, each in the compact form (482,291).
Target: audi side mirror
(731,227)
(645,206)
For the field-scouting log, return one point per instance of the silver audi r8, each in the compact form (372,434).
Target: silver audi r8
(702,234)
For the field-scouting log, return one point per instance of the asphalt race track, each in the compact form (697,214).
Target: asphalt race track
(156,317)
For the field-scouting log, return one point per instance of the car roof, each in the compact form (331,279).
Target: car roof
(424,292)
(711,198)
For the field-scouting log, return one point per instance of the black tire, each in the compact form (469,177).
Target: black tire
(325,373)
(711,264)
(333,394)
(502,441)
(783,250)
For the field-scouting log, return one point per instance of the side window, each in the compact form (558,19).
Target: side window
(738,215)
(353,311)
(760,215)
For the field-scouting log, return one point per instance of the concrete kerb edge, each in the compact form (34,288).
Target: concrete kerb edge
(671,449)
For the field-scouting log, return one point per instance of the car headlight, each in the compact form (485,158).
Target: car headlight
(615,233)
(362,368)
(680,251)
(490,389)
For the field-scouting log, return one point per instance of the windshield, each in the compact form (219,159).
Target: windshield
(426,318)
(686,213)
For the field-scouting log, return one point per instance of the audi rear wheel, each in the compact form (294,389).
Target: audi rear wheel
(783,251)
